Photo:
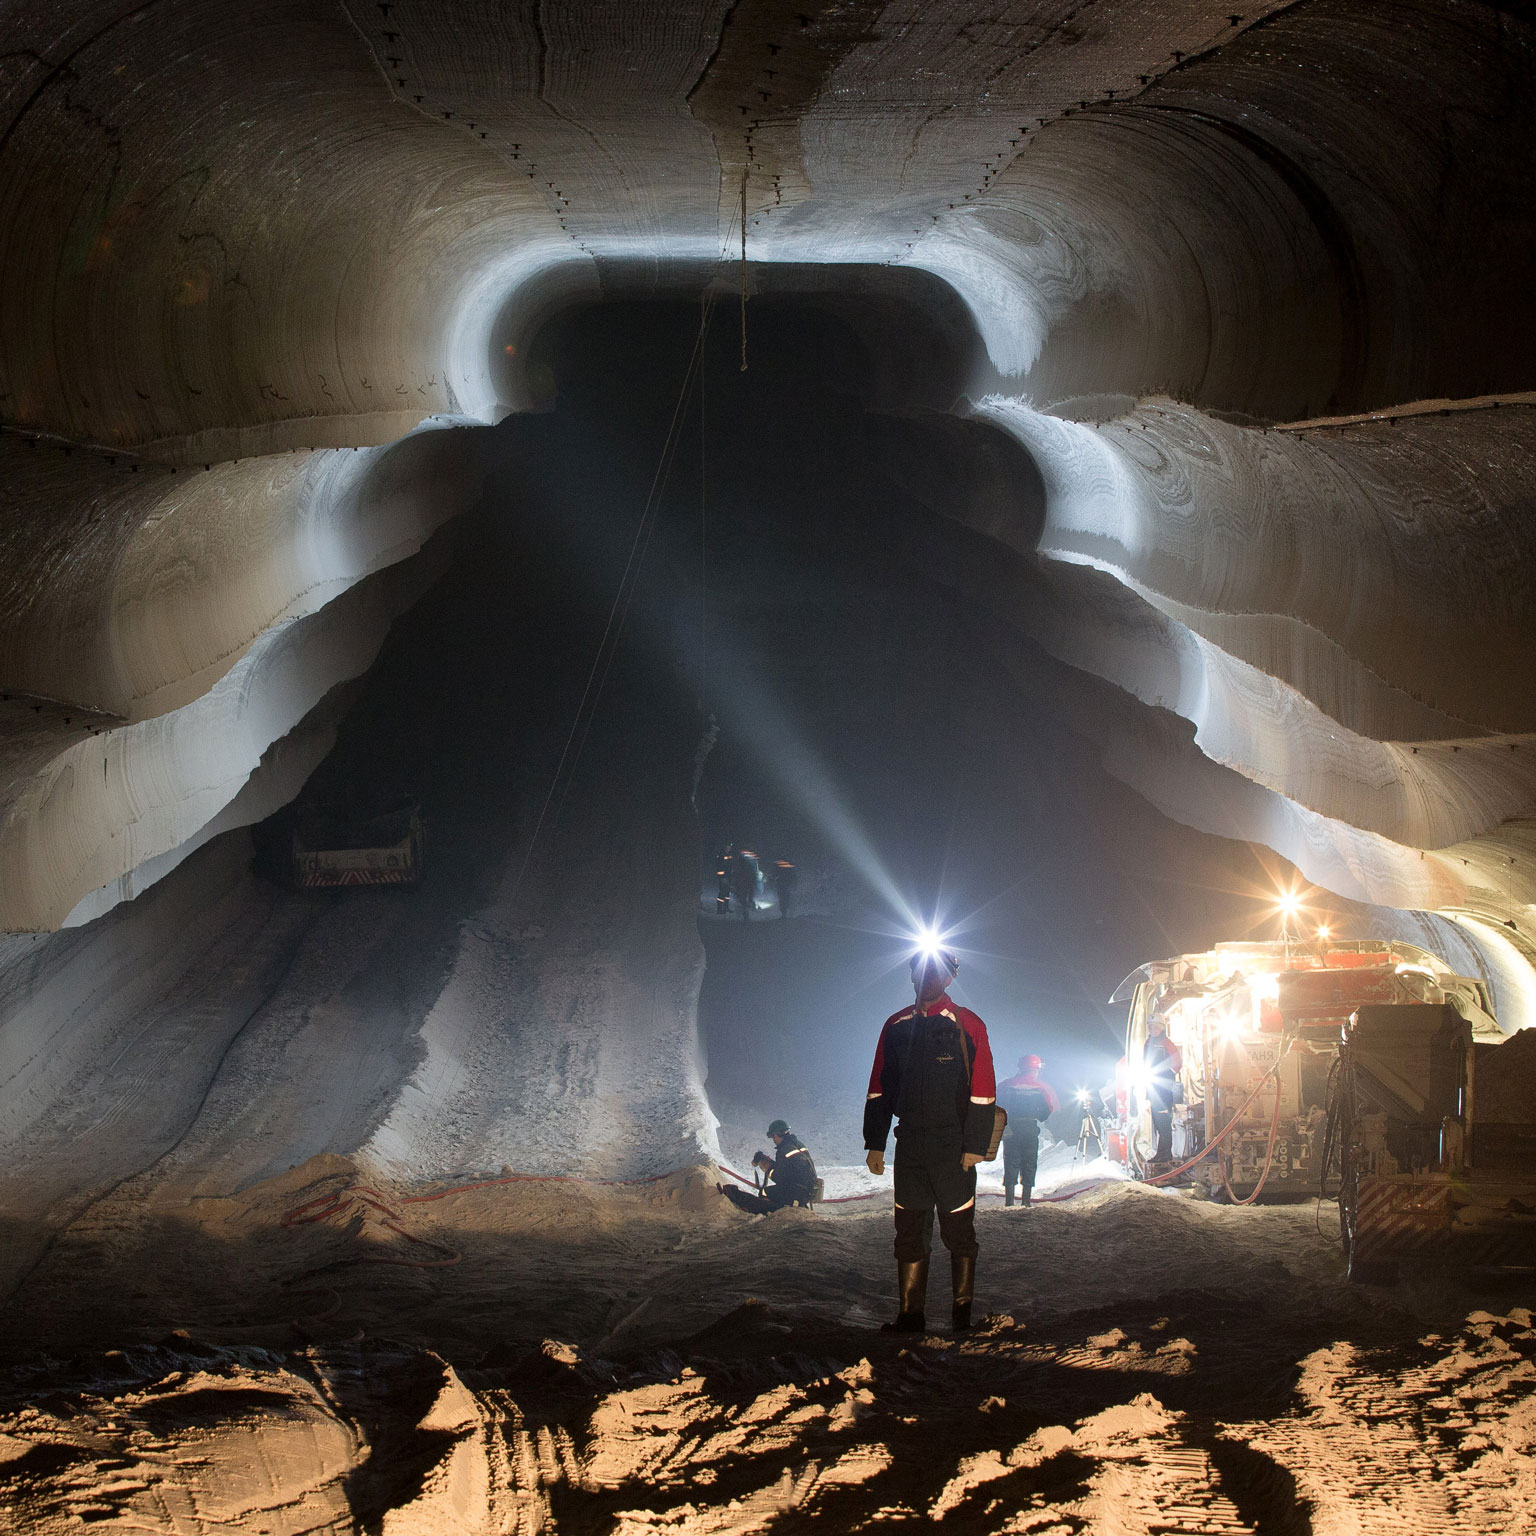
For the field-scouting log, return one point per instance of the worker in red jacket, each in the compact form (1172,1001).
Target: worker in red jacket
(1164,1062)
(933,1072)
(1029,1099)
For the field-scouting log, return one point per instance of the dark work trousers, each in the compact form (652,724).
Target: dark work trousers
(929,1178)
(759,1205)
(1021,1157)
(1162,1124)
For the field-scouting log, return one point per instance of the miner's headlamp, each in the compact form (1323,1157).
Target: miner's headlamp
(932,951)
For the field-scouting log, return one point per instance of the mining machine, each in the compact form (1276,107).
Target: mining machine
(1362,1070)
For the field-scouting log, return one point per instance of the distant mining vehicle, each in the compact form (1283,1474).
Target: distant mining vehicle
(1342,1068)
(330,849)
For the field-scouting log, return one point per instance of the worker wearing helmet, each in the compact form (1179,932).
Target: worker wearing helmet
(1029,1099)
(933,1072)
(791,1175)
(744,881)
(784,876)
(1164,1061)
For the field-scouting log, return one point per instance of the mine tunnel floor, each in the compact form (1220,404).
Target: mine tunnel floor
(555,1355)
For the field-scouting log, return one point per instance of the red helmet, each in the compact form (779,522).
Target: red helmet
(1031,1063)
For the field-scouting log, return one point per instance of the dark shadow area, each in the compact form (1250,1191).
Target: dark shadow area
(868,732)
(588,705)
(796,637)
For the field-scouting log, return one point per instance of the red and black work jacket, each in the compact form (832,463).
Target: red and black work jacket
(1029,1099)
(1164,1063)
(933,1071)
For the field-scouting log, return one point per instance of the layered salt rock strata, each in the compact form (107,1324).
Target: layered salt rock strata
(219,1030)
(190,621)
(1373,669)
(1210,235)
(318,250)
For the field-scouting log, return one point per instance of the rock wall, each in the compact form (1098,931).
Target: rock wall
(530,1005)
(248,254)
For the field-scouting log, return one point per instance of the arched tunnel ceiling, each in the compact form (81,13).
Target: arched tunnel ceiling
(246,251)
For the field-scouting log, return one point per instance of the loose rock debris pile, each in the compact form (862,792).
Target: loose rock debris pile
(1266,1398)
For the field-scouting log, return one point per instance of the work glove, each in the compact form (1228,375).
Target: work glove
(968,1160)
(875,1162)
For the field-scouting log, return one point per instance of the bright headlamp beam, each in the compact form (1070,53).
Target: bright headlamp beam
(928,942)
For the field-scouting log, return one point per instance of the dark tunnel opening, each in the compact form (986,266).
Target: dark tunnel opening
(802,643)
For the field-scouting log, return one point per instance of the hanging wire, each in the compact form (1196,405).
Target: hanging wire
(602,661)
(648,526)
(707,302)
(703,518)
(744,271)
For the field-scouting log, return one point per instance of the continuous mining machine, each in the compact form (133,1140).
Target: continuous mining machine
(1363,1070)
(330,849)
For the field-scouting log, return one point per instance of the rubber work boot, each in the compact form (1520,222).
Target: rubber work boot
(912,1288)
(962,1269)
(1007,1198)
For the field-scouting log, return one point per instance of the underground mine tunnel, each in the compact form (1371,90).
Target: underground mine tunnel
(549,553)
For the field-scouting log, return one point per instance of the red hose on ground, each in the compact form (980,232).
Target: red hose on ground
(1269,1152)
(1071,1194)
(825,1200)
(340,1201)
(337,1202)
(750,1183)
(875,1194)
(1221,1135)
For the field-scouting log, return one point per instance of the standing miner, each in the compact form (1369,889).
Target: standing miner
(784,875)
(723,884)
(933,1071)
(744,877)
(1163,1061)
(1029,1099)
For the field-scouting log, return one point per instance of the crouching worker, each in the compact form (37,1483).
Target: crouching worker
(791,1175)
(933,1071)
